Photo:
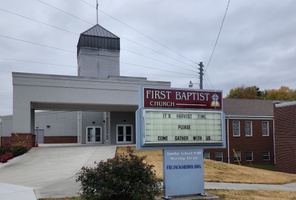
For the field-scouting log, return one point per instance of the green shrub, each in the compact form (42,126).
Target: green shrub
(124,177)
(18,150)
(3,150)
(5,157)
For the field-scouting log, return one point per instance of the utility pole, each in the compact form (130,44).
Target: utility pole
(201,66)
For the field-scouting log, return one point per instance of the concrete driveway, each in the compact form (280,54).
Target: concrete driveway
(50,171)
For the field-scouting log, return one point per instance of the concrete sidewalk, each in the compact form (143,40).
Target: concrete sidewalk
(50,170)
(244,186)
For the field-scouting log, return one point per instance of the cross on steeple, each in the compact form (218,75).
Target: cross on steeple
(97,8)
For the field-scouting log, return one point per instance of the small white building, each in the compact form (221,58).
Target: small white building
(97,106)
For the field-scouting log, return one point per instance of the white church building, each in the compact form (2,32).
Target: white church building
(96,106)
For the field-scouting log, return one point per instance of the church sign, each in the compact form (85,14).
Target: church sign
(177,117)
(181,122)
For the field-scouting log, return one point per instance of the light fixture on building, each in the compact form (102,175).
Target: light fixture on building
(190,84)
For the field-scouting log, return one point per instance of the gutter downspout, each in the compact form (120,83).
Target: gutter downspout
(273,135)
(0,131)
(228,148)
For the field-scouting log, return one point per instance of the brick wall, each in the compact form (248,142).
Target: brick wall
(285,138)
(5,141)
(22,139)
(60,139)
(257,144)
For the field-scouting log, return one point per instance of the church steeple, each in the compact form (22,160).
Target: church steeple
(98,53)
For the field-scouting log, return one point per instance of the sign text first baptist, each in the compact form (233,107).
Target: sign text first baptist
(190,99)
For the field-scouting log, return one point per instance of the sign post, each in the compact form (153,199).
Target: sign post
(182,122)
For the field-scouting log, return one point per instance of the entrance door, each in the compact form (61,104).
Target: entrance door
(93,134)
(124,134)
(39,136)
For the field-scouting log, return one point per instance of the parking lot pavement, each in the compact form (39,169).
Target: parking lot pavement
(15,192)
(51,170)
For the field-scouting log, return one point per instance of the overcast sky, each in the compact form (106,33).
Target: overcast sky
(257,45)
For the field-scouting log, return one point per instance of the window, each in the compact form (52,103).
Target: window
(248,127)
(265,128)
(237,156)
(266,155)
(219,156)
(207,155)
(249,156)
(236,128)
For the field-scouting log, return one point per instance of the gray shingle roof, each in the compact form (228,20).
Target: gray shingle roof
(98,37)
(250,107)
(99,31)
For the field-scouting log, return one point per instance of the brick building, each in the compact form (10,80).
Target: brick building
(285,136)
(249,132)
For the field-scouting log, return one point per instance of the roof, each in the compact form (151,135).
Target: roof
(248,107)
(99,31)
(283,104)
(99,38)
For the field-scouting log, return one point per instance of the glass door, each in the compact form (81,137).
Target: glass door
(124,134)
(94,134)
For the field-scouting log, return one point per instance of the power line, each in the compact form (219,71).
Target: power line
(88,4)
(154,68)
(147,67)
(42,63)
(34,43)
(139,32)
(40,22)
(158,60)
(58,28)
(78,34)
(122,37)
(19,60)
(208,81)
(158,52)
(218,35)
(65,12)
(146,74)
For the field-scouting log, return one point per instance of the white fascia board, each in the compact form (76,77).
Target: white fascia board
(283,104)
(248,117)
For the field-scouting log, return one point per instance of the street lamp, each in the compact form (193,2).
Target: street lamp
(191,84)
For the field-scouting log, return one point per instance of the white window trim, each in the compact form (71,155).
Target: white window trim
(268,156)
(239,157)
(221,156)
(252,155)
(132,134)
(238,128)
(267,128)
(207,153)
(251,129)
